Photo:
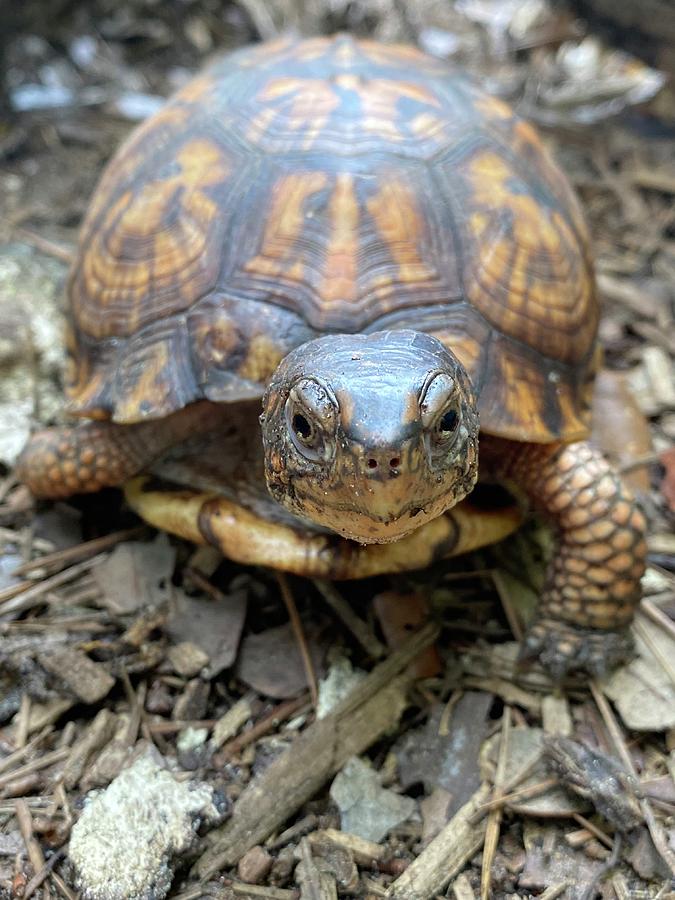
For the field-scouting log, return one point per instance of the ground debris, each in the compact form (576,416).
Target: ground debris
(213,624)
(87,680)
(366,808)
(146,816)
(136,575)
(444,754)
(596,777)
(271,662)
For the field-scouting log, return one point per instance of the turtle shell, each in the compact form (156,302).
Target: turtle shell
(332,185)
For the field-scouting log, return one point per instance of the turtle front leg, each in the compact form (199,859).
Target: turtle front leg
(83,458)
(593,582)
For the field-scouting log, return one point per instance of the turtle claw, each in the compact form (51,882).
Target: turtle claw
(562,648)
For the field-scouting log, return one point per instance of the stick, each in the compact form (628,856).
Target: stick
(445,856)
(299,633)
(348,617)
(369,711)
(78,552)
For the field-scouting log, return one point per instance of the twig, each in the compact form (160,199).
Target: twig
(444,721)
(60,558)
(494,821)
(299,633)
(263,891)
(204,584)
(49,759)
(510,613)
(554,891)
(40,876)
(278,715)
(594,830)
(299,829)
(23,721)
(526,793)
(661,658)
(176,726)
(25,823)
(45,245)
(348,617)
(604,870)
(650,609)
(14,757)
(25,599)
(445,856)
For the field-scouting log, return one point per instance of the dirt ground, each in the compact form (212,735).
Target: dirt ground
(282,738)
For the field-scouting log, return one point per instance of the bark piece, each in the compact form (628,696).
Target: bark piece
(445,856)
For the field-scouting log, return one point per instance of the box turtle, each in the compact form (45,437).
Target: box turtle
(383,254)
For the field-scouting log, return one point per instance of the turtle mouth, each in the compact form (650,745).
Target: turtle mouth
(375,505)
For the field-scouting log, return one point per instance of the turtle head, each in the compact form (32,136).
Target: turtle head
(370,435)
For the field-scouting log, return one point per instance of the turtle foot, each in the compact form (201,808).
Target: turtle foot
(563,648)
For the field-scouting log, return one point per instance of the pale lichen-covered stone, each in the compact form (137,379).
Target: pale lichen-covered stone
(124,844)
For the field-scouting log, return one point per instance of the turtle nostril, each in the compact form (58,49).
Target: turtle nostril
(372,463)
(394,462)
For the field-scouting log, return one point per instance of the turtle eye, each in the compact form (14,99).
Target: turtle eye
(305,433)
(448,422)
(310,418)
(303,429)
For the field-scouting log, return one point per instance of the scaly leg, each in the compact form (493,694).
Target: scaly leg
(593,581)
(83,458)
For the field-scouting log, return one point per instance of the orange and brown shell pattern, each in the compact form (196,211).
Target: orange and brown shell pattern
(304,187)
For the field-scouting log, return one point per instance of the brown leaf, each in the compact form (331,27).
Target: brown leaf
(136,574)
(270,662)
(214,626)
(401,614)
(619,428)
(447,759)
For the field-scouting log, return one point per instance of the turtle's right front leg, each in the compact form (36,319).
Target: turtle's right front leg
(83,458)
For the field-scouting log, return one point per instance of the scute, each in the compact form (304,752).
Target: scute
(332,185)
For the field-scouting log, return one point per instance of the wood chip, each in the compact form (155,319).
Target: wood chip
(445,856)
(88,680)
(660,373)
(461,888)
(98,733)
(187,659)
(555,711)
(229,724)
(254,865)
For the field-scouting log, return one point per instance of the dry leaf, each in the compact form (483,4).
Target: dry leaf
(136,574)
(270,662)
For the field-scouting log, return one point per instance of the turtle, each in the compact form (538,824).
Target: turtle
(305,291)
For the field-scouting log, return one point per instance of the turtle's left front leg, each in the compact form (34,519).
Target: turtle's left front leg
(593,582)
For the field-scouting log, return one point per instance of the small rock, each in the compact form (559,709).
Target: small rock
(192,702)
(187,659)
(254,865)
(125,841)
(191,739)
(366,808)
(341,679)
